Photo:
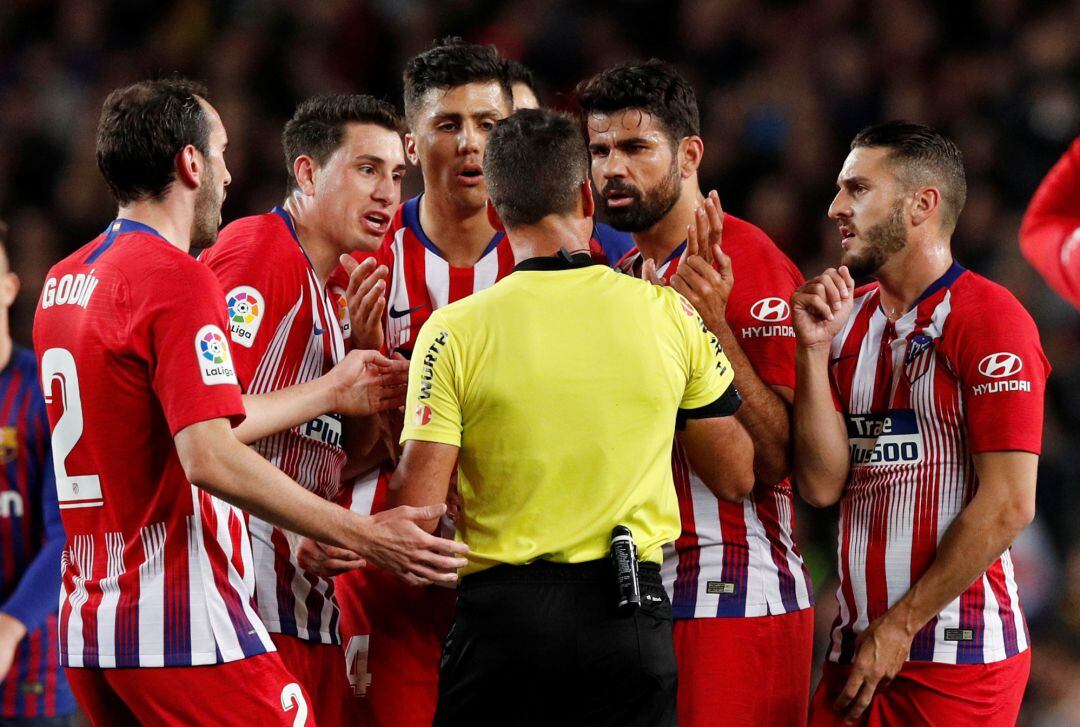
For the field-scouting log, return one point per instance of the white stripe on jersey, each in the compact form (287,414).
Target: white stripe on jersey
(152,596)
(81,563)
(110,597)
(438,279)
(1014,600)
(486,272)
(199,605)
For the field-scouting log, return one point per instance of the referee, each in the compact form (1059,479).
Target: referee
(556,392)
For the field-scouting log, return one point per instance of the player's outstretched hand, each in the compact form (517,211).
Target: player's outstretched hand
(707,229)
(397,543)
(707,285)
(881,651)
(366,382)
(366,300)
(821,306)
(325,560)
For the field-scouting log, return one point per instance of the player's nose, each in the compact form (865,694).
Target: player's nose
(470,141)
(839,207)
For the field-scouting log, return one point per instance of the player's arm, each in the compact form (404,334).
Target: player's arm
(1052,220)
(361,384)
(765,413)
(36,593)
(819,309)
(422,477)
(217,462)
(1001,508)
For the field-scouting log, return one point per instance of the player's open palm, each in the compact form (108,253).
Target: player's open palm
(366,382)
(820,307)
(365,298)
(397,543)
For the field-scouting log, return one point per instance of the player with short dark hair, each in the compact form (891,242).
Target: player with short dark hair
(33,689)
(141,394)
(919,407)
(306,399)
(559,427)
(522,85)
(737,581)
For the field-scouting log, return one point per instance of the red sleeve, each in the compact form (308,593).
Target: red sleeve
(181,317)
(759,312)
(260,290)
(1050,232)
(1002,370)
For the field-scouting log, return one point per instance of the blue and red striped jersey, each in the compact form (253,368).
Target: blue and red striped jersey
(31,539)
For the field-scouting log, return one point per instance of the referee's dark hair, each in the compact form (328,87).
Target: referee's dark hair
(141,130)
(535,163)
(317,128)
(921,157)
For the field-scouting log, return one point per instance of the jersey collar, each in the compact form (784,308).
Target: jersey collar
(562,261)
(121,226)
(283,214)
(410,216)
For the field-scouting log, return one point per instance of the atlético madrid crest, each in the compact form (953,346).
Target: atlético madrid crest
(9,444)
(920,352)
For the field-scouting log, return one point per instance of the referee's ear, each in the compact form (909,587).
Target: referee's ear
(588,202)
(493,217)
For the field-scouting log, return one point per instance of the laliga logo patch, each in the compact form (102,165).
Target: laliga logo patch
(212,352)
(246,307)
(1000,365)
(771,310)
(422,416)
(341,309)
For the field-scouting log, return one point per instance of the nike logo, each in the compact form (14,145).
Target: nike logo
(319,331)
(395,313)
(838,359)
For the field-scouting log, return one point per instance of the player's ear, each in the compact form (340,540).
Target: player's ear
(304,172)
(9,288)
(410,149)
(588,202)
(691,151)
(924,203)
(493,217)
(189,166)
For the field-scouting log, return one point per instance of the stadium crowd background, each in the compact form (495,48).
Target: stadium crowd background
(783,87)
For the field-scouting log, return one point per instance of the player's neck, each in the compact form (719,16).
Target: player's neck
(6,344)
(169,217)
(908,274)
(320,249)
(659,241)
(549,235)
(461,235)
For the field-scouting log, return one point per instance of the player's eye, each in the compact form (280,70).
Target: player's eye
(487,125)
(447,126)
(367,169)
(598,152)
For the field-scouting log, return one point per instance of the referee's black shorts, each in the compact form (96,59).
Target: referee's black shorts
(543,644)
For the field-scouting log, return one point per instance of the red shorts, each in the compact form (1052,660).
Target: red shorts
(393,636)
(245,692)
(320,670)
(925,693)
(745,671)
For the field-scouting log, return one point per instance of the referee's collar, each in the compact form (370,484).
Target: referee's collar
(563,260)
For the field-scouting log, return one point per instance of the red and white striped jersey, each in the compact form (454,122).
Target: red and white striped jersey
(284,332)
(156,572)
(739,559)
(961,373)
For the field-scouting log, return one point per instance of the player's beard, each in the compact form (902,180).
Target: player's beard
(648,208)
(881,241)
(207,217)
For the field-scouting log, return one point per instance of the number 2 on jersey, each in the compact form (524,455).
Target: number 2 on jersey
(59,377)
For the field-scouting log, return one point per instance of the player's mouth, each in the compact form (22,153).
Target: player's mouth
(470,175)
(846,235)
(619,198)
(376,222)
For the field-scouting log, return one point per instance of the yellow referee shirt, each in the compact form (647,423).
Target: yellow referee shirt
(561,385)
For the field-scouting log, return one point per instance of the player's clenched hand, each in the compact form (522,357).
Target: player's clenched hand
(366,300)
(706,287)
(881,651)
(821,306)
(325,560)
(365,382)
(397,543)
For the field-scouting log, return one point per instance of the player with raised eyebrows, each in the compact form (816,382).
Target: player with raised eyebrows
(305,397)
(737,582)
(919,407)
(156,613)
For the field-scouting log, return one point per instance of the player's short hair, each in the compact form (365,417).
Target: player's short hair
(921,156)
(653,86)
(518,72)
(450,63)
(317,128)
(534,164)
(142,128)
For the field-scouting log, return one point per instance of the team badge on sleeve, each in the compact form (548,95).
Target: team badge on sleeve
(341,309)
(212,352)
(246,308)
